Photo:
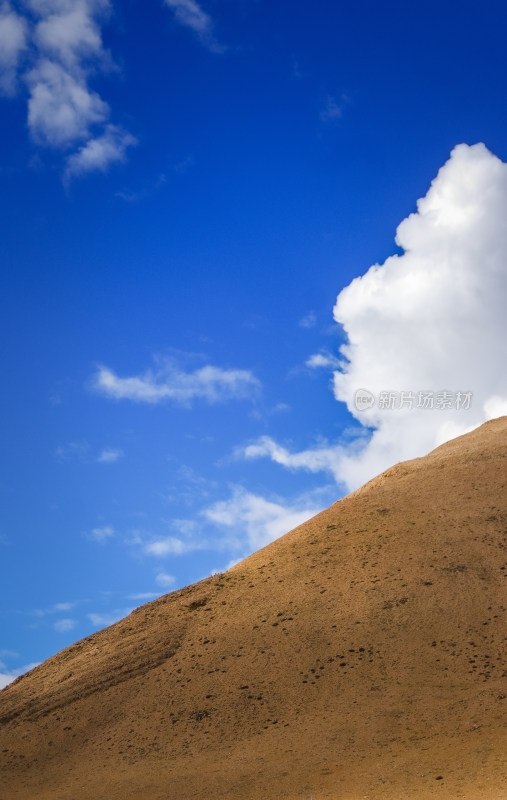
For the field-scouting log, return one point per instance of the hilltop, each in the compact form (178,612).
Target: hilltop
(361,655)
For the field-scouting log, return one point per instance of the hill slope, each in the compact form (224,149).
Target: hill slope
(362,655)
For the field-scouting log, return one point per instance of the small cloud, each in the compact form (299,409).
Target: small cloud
(133,196)
(64,625)
(255,520)
(231,563)
(77,450)
(324,458)
(163,579)
(190,14)
(308,321)
(324,360)
(143,596)
(209,383)
(296,70)
(169,546)
(61,108)
(98,154)
(109,455)
(103,620)
(8,654)
(13,41)
(63,606)
(101,534)
(10,675)
(64,49)
(333,110)
(183,166)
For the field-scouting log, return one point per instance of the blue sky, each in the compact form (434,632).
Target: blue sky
(187,188)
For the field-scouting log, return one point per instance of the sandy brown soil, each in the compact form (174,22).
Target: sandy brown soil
(362,655)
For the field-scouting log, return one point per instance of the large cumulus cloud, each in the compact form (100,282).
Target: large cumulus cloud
(432,320)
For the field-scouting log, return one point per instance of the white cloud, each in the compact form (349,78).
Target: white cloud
(255,520)
(101,534)
(495,407)
(237,526)
(322,458)
(308,321)
(54,609)
(109,455)
(64,625)
(332,110)
(170,546)
(170,383)
(101,620)
(11,675)
(72,450)
(62,109)
(8,654)
(13,41)
(101,152)
(63,606)
(324,360)
(190,14)
(163,579)
(6,678)
(64,46)
(143,596)
(69,30)
(431,319)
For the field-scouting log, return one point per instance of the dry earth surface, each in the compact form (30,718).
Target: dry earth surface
(362,655)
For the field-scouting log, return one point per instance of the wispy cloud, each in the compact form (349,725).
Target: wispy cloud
(135,195)
(324,360)
(10,675)
(251,521)
(209,383)
(13,41)
(308,321)
(323,458)
(182,166)
(99,153)
(76,449)
(170,546)
(63,606)
(8,654)
(165,580)
(146,596)
(81,450)
(191,15)
(103,533)
(61,109)
(102,620)
(64,625)
(333,108)
(110,455)
(237,526)
(56,48)
(56,608)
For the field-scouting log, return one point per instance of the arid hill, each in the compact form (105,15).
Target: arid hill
(362,655)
